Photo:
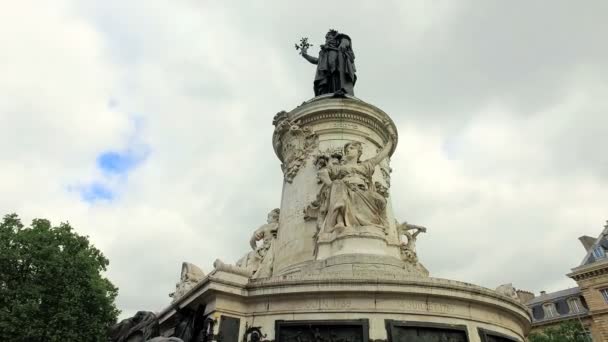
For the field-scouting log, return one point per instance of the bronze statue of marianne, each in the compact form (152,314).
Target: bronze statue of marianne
(335,64)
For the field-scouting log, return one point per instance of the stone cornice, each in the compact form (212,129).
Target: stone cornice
(404,284)
(415,286)
(213,282)
(345,113)
(589,271)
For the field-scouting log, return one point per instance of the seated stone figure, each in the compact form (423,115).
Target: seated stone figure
(508,290)
(259,261)
(190,276)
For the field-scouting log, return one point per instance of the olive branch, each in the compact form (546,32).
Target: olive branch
(303,46)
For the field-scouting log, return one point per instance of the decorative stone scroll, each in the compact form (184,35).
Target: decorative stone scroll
(296,144)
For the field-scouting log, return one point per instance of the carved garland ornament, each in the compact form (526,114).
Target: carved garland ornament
(296,144)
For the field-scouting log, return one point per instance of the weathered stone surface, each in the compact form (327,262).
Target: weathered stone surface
(262,302)
(258,263)
(190,276)
(335,252)
(313,224)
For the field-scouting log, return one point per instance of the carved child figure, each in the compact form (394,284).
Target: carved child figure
(408,248)
(261,258)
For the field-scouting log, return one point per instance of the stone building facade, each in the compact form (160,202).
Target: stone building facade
(592,279)
(586,304)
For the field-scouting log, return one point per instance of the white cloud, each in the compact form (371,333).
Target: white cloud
(500,127)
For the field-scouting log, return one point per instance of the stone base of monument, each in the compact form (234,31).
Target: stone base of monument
(356,265)
(333,264)
(352,306)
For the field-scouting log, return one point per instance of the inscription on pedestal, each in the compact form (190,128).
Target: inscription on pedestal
(345,125)
(335,303)
(427,306)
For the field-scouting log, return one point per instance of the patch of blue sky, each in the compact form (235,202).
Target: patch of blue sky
(114,166)
(96,192)
(120,162)
(113,162)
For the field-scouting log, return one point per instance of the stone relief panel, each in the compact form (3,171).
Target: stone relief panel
(296,144)
(425,332)
(257,263)
(190,276)
(322,331)
(349,202)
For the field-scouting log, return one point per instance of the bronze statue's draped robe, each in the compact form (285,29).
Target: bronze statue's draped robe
(336,67)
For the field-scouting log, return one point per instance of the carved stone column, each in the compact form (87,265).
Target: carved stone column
(318,129)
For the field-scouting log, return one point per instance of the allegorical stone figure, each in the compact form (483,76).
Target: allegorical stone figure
(408,248)
(508,290)
(261,258)
(348,196)
(190,276)
(335,65)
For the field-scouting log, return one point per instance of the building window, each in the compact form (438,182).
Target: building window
(604,293)
(550,311)
(598,252)
(575,305)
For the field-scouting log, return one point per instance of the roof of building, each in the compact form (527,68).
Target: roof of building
(562,310)
(555,295)
(602,240)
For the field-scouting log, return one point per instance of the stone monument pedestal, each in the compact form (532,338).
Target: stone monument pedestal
(350,241)
(355,304)
(333,265)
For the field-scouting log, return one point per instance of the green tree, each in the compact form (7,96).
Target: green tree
(568,331)
(51,287)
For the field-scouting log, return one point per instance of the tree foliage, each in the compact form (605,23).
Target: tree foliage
(51,287)
(569,331)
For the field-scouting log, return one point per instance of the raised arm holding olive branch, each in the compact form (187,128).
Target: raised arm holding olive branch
(384,152)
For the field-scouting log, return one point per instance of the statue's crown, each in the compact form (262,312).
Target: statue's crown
(333,32)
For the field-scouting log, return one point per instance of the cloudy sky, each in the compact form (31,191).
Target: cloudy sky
(147,126)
